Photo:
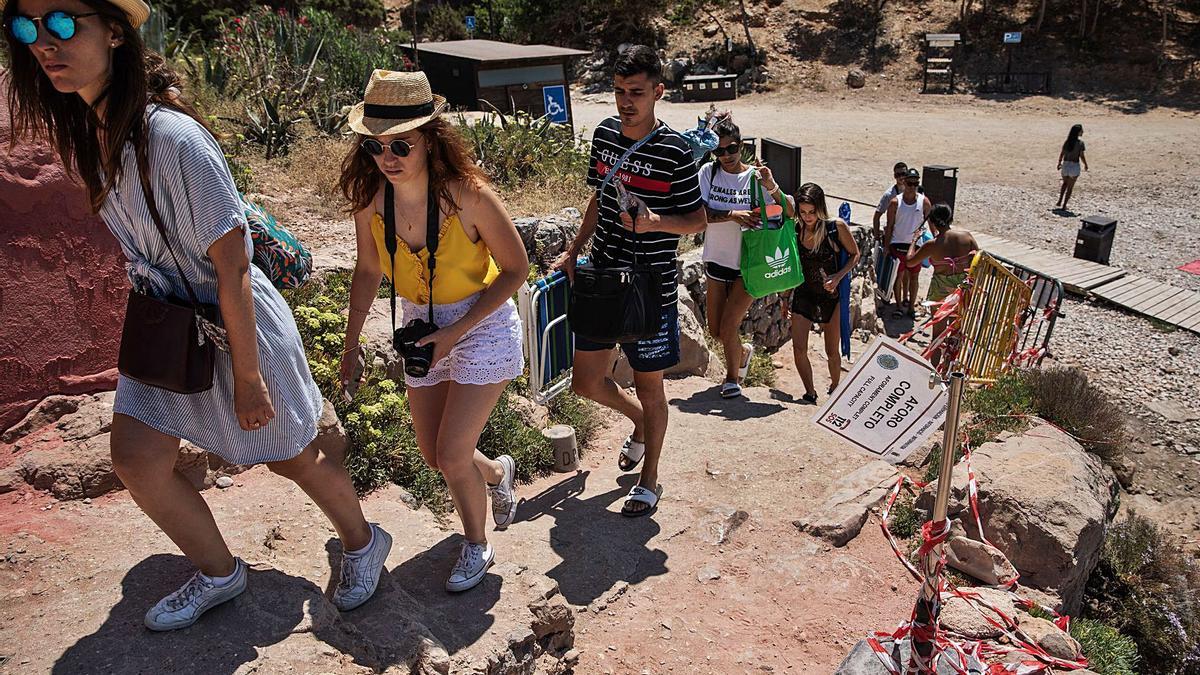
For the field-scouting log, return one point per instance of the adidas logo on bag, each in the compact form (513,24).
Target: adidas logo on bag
(779,264)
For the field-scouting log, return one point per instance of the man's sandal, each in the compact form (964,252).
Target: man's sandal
(641,495)
(631,454)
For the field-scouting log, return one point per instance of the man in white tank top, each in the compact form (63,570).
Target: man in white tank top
(905,220)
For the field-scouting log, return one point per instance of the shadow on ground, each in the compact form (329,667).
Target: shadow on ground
(598,547)
(709,402)
(273,607)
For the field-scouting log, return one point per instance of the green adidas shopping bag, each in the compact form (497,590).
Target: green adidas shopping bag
(770,260)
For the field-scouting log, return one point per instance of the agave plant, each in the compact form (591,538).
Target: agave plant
(273,127)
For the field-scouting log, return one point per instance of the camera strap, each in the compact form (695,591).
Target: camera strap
(389,240)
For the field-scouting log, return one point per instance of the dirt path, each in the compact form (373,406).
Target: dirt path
(718,581)
(1144,167)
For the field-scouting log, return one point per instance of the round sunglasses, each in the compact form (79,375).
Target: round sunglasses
(399,147)
(58,23)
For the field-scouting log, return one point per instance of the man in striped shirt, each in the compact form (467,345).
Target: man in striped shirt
(661,176)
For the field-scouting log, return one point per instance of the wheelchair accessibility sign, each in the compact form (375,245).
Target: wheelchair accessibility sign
(555,98)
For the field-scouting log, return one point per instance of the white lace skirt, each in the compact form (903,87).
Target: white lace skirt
(489,353)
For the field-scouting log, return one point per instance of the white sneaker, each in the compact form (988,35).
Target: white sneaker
(504,497)
(183,607)
(473,563)
(360,573)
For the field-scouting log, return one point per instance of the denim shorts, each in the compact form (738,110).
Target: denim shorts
(652,354)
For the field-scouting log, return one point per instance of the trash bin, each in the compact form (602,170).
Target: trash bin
(940,183)
(1095,239)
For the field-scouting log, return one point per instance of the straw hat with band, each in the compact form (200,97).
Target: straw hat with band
(135,10)
(395,102)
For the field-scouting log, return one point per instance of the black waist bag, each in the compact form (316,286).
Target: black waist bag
(616,304)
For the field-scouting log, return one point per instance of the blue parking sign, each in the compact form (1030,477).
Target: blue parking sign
(555,98)
(471,23)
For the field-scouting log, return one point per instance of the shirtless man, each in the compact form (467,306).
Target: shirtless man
(950,252)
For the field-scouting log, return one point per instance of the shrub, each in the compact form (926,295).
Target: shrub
(1107,651)
(762,371)
(516,148)
(207,16)
(383,445)
(904,520)
(1065,397)
(997,407)
(445,23)
(286,69)
(1148,588)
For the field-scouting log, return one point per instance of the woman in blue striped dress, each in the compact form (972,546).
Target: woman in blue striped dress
(263,406)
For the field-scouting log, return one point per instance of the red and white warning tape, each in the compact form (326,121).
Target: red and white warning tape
(955,652)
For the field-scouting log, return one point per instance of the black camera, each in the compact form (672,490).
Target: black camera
(417,360)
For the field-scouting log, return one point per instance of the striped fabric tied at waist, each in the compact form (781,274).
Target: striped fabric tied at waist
(148,279)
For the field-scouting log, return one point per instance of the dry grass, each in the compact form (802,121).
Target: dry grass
(549,195)
(308,173)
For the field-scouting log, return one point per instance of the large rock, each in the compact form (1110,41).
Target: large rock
(63,278)
(967,619)
(377,338)
(980,560)
(1046,504)
(844,511)
(856,79)
(70,458)
(1050,637)
(862,660)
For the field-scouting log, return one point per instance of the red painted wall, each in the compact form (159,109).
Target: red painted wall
(62,282)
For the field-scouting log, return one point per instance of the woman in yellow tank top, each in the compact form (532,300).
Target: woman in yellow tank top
(404,144)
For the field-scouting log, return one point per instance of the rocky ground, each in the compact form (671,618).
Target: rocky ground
(719,581)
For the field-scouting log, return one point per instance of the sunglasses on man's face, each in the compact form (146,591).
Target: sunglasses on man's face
(912,183)
(399,147)
(60,24)
(728,150)
(898,176)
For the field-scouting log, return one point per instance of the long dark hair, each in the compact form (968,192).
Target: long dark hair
(37,109)
(449,160)
(811,193)
(1073,138)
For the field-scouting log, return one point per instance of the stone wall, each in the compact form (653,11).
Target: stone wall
(62,282)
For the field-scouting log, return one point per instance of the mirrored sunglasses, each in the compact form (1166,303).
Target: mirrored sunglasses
(58,23)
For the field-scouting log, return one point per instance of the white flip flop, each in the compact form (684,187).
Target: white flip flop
(731,390)
(642,496)
(744,370)
(632,451)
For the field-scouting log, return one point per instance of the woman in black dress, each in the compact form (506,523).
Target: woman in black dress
(816,300)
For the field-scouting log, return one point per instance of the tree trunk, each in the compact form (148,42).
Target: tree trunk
(1041,17)
(746,26)
(1095,19)
(1082,19)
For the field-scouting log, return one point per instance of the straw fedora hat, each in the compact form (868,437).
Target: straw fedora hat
(135,10)
(395,102)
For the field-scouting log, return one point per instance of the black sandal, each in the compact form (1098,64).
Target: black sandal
(809,398)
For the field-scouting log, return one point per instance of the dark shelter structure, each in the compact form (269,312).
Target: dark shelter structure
(532,78)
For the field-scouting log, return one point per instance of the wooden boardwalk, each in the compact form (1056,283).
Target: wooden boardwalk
(1154,299)
(1133,292)
(1077,276)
